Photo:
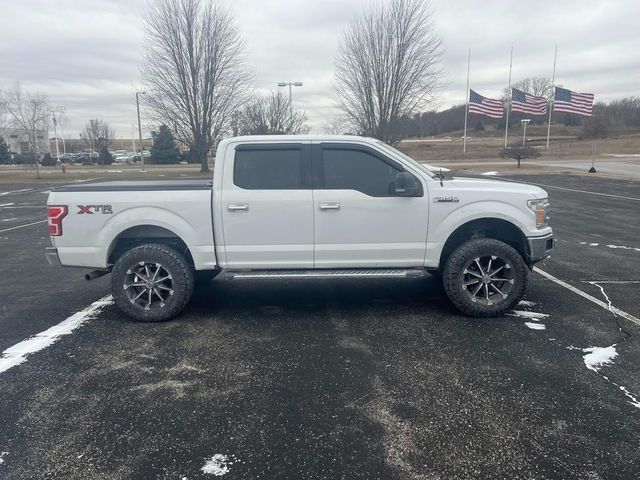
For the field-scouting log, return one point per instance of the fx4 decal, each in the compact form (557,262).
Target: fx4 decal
(91,209)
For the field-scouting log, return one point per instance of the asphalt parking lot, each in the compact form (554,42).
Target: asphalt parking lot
(339,379)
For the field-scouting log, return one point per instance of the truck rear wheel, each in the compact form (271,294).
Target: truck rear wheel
(152,283)
(485,277)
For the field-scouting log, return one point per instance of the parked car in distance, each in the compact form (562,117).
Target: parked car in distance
(286,207)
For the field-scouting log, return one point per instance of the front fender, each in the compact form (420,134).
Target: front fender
(443,222)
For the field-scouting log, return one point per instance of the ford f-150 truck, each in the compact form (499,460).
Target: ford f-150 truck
(303,207)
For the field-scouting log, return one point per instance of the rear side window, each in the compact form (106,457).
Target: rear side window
(270,169)
(357,170)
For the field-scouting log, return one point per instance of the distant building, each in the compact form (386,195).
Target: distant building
(18,140)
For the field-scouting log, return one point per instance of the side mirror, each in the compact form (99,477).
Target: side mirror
(406,185)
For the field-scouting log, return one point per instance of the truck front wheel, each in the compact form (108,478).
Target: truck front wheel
(152,283)
(485,277)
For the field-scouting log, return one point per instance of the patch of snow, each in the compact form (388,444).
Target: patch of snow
(6,204)
(526,303)
(492,173)
(18,353)
(597,357)
(46,192)
(594,244)
(10,219)
(633,400)
(622,247)
(583,243)
(115,171)
(218,465)
(2,454)
(605,296)
(535,316)
(535,326)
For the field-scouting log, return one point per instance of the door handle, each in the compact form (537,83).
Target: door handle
(238,207)
(330,206)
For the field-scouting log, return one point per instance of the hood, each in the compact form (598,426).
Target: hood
(497,186)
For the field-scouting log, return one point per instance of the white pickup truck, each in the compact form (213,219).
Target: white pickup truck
(302,207)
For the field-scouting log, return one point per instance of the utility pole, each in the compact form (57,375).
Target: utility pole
(290,84)
(140,126)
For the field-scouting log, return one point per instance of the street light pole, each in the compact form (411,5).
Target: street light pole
(140,126)
(290,84)
(55,132)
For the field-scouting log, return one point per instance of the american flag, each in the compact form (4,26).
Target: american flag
(527,103)
(573,102)
(484,106)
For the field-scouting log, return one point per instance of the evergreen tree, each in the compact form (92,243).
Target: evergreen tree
(5,155)
(164,149)
(105,157)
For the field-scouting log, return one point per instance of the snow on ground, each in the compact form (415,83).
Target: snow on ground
(219,464)
(492,173)
(622,247)
(526,303)
(596,357)
(535,326)
(535,316)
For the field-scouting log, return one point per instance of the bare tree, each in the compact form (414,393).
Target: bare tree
(29,114)
(387,66)
(271,116)
(538,86)
(98,135)
(194,70)
(336,125)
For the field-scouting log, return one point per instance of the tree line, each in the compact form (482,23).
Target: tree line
(609,118)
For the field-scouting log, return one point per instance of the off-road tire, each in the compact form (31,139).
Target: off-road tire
(454,277)
(171,261)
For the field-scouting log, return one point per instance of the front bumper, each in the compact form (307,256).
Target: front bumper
(52,256)
(540,247)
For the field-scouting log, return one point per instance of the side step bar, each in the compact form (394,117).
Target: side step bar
(351,273)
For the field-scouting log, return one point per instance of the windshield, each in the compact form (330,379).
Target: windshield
(428,169)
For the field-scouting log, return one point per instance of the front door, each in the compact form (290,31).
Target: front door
(268,208)
(359,219)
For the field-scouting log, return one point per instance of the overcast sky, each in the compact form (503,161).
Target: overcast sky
(84,54)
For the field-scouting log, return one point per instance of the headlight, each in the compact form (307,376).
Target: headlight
(540,207)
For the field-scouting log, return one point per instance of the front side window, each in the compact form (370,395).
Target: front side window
(352,169)
(269,169)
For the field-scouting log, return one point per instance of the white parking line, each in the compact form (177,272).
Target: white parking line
(591,298)
(574,190)
(22,226)
(18,353)
(16,191)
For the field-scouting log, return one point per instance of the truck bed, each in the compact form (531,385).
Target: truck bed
(136,186)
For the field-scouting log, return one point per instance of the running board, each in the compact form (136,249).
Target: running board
(351,273)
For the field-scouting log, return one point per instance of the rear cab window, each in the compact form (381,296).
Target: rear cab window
(272,167)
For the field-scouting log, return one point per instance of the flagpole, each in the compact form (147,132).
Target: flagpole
(553,82)
(506,126)
(466,110)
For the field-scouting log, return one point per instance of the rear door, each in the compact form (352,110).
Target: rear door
(359,220)
(267,207)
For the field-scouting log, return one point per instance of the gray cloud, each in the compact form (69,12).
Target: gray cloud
(84,53)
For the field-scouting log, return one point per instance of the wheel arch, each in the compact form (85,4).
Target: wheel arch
(486,227)
(144,234)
